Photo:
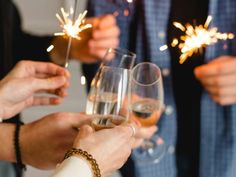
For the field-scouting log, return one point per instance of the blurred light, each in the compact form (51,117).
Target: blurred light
(164,47)
(83,80)
(49,49)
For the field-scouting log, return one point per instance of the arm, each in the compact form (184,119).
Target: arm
(39,148)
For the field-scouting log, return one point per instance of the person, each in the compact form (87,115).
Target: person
(32,77)
(199,119)
(16,45)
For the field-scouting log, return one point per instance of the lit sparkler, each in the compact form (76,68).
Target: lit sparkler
(196,38)
(72,28)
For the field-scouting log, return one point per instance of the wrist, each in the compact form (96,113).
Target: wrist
(2,109)
(17,147)
(7,152)
(24,145)
(79,153)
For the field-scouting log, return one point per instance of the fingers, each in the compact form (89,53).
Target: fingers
(146,132)
(85,131)
(50,68)
(221,66)
(224,101)
(48,84)
(219,81)
(103,22)
(31,68)
(103,43)
(46,101)
(77,120)
(108,32)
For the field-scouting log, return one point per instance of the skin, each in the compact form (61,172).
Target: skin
(101,146)
(30,78)
(45,141)
(218,78)
(93,44)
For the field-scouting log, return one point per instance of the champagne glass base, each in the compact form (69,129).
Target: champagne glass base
(152,150)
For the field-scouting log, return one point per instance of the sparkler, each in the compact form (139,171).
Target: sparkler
(196,38)
(71,27)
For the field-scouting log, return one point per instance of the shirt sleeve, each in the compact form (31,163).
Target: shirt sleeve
(73,167)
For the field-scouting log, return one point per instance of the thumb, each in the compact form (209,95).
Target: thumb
(85,131)
(49,83)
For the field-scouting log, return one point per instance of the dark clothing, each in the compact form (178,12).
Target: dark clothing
(16,45)
(187,90)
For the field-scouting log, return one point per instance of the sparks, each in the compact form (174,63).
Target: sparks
(50,48)
(72,28)
(196,38)
(164,47)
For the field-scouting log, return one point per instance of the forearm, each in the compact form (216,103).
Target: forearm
(7,152)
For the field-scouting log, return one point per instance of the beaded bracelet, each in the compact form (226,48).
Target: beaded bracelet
(88,157)
(19,165)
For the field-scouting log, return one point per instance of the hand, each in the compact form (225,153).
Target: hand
(142,134)
(219,79)
(110,147)
(45,142)
(94,41)
(18,87)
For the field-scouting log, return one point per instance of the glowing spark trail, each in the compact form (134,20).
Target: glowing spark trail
(196,38)
(72,28)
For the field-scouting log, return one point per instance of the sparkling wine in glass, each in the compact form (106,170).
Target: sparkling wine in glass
(109,93)
(147,102)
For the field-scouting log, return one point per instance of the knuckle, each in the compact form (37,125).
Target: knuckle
(220,69)
(221,93)
(59,118)
(218,81)
(22,63)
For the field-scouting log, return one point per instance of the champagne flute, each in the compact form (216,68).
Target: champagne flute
(147,102)
(109,92)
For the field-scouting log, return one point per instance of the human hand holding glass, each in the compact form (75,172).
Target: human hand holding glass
(146,104)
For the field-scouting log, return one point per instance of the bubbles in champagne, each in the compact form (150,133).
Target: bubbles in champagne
(146,111)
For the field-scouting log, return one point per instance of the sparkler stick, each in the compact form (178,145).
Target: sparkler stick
(70,38)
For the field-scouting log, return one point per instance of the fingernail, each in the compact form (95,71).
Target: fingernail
(67,74)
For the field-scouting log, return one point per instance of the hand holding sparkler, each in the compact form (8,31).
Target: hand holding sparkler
(104,34)
(93,43)
(218,77)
